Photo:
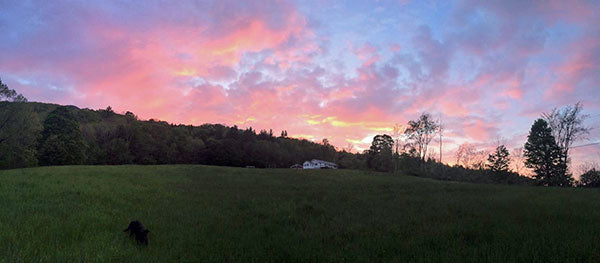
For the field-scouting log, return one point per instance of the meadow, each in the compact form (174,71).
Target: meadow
(219,214)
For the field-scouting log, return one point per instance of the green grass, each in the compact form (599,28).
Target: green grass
(216,214)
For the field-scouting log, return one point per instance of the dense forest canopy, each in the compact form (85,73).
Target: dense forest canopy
(69,135)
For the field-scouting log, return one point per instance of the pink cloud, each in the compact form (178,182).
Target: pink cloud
(368,54)
(479,130)
(395,47)
(579,71)
(265,64)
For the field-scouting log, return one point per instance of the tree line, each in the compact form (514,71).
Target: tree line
(546,153)
(33,134)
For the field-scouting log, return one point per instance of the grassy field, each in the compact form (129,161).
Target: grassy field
(219,214)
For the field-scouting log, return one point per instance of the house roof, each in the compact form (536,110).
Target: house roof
(321,161)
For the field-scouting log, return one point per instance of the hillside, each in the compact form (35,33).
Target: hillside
(206,213)
(40,134)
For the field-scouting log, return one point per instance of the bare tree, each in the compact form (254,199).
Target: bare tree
(420,133)
(349,147)
(432,155)
(567,126)
(397,134)
(464,154)
(440,132)
(518,160)
(469,157)
(586,166)
(479,160)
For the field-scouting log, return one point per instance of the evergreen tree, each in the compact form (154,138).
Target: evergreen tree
(284,134)
(545,157)
(498,161)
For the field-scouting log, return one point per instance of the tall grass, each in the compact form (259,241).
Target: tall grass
(219,214)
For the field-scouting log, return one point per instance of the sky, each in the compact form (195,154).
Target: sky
(341,70)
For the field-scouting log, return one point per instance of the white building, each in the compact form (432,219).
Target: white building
(318,164)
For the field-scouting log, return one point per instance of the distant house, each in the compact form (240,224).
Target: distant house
(296,166)
(318,164)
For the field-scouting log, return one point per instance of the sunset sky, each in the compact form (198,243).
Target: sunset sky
(342,70)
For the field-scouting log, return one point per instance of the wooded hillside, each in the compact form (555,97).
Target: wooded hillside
(49,134)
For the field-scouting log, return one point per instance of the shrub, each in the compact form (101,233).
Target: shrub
(590,178)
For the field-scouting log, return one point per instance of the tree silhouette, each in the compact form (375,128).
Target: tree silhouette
(545,157)
(420,133)
(498,161)
(590,178)
(567,126)
(468,156)
(380,153)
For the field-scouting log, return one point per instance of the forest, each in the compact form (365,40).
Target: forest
(48,134)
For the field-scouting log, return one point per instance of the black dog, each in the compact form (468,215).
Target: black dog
(141,233)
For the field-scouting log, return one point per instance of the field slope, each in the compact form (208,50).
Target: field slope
(216,214)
